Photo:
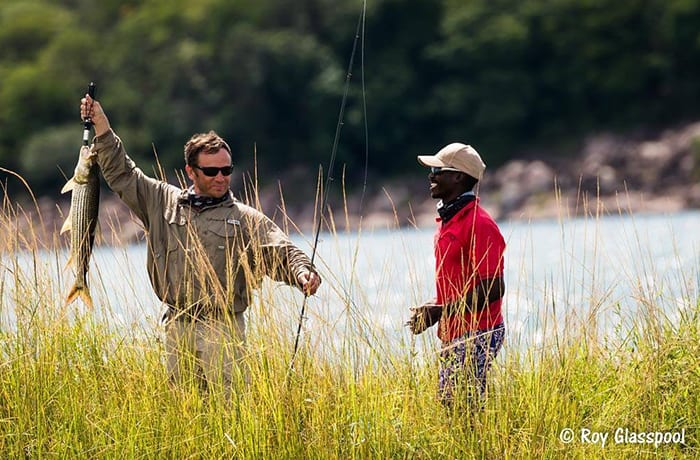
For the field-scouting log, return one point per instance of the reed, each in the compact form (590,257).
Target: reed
(80,384)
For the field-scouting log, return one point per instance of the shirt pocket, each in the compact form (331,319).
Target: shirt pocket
(222,239)
(221,234)
(168,269)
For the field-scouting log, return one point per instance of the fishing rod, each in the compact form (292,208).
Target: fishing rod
(331,164)
(87,122)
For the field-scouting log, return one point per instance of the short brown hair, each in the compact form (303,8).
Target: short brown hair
(203,142)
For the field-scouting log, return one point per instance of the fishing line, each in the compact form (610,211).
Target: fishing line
(331,164)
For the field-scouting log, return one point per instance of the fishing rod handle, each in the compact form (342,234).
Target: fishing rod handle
(87,122)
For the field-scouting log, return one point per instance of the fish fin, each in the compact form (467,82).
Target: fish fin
(79,291)
(72,294)
(87,298)
(66,227)
(70,185)
(92,155)
(69,263)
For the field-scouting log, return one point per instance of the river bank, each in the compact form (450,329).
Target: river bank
(610,174)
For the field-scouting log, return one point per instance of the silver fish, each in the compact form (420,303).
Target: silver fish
(82,220)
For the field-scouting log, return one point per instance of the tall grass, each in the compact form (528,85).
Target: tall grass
(74,386)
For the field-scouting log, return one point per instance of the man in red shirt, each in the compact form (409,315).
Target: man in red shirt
(468,276)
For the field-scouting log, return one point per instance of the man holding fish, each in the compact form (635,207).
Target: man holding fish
(207,251)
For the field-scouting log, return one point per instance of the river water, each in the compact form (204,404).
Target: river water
(595,274)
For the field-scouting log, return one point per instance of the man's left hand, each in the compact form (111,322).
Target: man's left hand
(423,317)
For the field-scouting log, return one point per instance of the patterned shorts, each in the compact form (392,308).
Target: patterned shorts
(467,359)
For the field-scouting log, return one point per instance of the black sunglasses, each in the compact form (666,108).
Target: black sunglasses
(212,171)
(437,170)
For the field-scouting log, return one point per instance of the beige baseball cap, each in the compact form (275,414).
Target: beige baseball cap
(458,156)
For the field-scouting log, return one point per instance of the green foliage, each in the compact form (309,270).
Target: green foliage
(27,27)
(501,74)
(58,143)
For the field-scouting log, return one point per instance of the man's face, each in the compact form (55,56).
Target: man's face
(444,184)
(204,184)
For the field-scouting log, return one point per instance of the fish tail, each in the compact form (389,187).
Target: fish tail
(79,291)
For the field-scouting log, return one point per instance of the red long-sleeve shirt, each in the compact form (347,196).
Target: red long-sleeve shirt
(468,248)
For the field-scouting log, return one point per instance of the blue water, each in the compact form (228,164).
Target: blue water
(598,275)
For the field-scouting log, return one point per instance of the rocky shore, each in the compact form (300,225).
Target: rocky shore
(610,174)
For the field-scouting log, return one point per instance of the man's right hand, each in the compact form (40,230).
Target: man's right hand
(423,317)
(309,281)
(91,108)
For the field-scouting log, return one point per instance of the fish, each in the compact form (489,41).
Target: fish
(82,221)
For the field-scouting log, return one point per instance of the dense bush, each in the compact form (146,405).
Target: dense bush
(505,75)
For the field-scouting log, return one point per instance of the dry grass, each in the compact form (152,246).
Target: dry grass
(72,385)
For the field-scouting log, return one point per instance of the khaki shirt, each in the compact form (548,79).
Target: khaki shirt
(205,259)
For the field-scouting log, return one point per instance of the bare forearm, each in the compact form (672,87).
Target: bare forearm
(481,296)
